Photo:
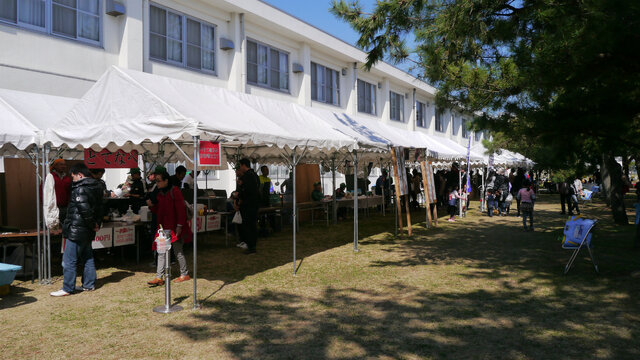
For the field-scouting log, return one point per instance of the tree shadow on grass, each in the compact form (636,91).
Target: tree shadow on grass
(405,322)
(219,263)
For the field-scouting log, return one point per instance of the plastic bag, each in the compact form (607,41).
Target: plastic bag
(237,218)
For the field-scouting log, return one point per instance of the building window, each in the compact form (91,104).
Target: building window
(454,126)
(478,135)
(267,66)
(325,84)
(420,114)
(465,131)
(74,19)
(439,120)
(366,97)
(168,32)
(397,106)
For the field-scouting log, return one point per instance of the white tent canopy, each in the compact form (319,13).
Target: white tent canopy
(24,116)
(127,108)
(504,157)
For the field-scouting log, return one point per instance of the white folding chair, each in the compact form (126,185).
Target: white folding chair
(578,234)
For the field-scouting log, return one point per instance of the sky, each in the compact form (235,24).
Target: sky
(316,13)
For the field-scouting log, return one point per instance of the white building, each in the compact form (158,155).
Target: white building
(61,47)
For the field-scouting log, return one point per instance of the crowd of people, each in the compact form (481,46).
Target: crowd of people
(81,201)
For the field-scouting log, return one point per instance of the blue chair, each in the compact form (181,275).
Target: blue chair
(577,234)
(588,195)
(637,206)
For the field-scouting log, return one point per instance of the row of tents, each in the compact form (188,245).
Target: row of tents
(156,116)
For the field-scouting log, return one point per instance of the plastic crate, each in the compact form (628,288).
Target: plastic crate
(8,273)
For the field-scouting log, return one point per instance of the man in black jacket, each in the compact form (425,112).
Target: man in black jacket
(84,217)
(249,195)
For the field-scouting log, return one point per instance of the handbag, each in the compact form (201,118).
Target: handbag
(237,218)
(509,198)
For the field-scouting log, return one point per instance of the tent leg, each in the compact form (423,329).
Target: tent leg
(48,232)
(295,209)
(196,148)
(38,217)
(355,200)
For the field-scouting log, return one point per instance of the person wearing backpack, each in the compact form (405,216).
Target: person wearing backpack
(171,214)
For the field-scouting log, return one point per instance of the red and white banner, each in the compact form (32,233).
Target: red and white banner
(103,239)
(106,159)
(125,235)
(200,220)
(209,154)
(213,222)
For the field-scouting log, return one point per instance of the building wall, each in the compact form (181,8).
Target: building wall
(43,63)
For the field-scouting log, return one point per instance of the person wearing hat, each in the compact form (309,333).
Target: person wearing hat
(136,190)
(317,194)
(62,186)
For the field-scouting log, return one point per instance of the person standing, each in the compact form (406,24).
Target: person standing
(454,197)
(501,184)
(575,190)
(62,186)
(249,201)
(84,216)
(176,180)
(171,215)
(563,189)
(527,198)
(136,191)
(383,182)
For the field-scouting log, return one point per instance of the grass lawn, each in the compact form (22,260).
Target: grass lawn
(479,288)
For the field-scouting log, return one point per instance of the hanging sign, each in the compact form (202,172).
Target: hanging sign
(402,171)
(124,235)
(209,154)
(106,159)
(213,222)
(431,181)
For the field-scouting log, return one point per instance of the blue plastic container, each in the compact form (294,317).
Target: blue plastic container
(8,273)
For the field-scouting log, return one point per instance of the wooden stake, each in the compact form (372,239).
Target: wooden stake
(406,205)
(396,181)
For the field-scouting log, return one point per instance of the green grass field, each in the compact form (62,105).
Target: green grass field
(479,288)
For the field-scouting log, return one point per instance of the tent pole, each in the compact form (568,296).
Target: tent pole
(335,202)
(383,202)
(482,197)
(43,259)
(196,148)
(38,217)
(48,234)
(294,208)
(355,200)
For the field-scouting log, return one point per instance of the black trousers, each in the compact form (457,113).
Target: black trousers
(564,199)
(249,227)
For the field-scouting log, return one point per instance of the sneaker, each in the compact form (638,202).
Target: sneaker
(250,251)
(156,282)
(59,293)
(182,278)
(243,245)
(83,289)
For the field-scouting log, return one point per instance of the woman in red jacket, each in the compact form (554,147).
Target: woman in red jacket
(172,215)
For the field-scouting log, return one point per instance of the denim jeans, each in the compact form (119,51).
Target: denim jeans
(78,253)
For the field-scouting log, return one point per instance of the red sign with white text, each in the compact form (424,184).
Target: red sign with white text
(209,153)
(110,159)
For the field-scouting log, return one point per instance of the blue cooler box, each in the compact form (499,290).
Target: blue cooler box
(8,273)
